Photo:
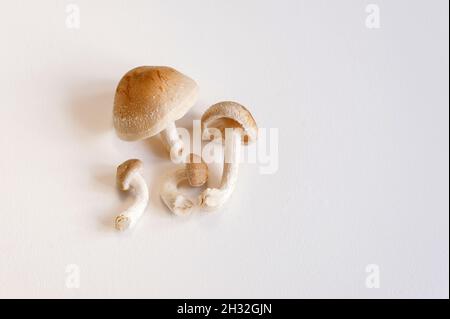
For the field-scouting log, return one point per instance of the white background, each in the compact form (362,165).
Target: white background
(363,149)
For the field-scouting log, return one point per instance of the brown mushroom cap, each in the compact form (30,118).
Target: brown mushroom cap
(125,171)
(148,98)
(229,114)
(196,171)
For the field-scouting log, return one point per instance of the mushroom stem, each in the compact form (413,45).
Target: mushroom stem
(177,202)
(129,217)
(213,198)
(172,141)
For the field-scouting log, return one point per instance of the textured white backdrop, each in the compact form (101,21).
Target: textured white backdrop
(363,153)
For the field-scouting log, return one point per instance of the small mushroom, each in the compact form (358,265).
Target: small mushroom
(127,177)
(195,172)
(237,127)
(148,101)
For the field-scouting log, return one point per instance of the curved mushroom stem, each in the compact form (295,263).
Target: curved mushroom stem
(177,202)
(173,142)
(129,217)
(213,198)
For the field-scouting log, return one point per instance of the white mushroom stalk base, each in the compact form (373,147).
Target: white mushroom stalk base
(173,142)
(214,198)
(131,215)
(172,197)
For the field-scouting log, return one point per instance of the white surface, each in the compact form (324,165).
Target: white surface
(363,153)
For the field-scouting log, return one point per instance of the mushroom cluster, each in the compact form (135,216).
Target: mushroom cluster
(148,101)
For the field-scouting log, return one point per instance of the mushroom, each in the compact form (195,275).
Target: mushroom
(195,172)
(127,177)
(238,127)
(148,100)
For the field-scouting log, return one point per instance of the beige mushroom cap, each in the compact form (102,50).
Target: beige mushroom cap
(125,171)
(230,114)
(148,98)
(196,171)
